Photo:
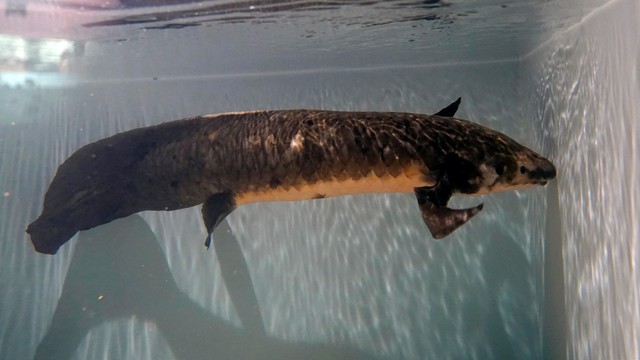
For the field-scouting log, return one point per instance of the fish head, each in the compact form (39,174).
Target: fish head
(486,161)
(69,209)
(89,189)
(508,165)
(522,169)
(48,234)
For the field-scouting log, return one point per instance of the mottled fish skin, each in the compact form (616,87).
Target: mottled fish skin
(267,149)
(180,164)
(285,149)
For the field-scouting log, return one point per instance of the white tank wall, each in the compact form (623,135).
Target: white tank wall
(584,86)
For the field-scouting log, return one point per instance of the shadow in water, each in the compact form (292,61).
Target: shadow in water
(492,315)
(119,271)
(237,279)
(504,267)
(554,314)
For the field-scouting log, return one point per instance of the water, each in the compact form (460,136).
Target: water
(537,274)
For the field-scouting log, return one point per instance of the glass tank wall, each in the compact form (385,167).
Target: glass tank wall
(549,272)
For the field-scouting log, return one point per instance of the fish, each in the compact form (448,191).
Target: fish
(226,160)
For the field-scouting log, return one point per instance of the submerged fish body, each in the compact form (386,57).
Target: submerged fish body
(228,160)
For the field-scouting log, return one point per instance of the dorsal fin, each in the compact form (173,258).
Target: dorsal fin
(450,110)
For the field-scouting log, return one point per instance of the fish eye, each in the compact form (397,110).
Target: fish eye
(523,169)
(500,169)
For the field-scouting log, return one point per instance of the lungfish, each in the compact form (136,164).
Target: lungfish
(227,160)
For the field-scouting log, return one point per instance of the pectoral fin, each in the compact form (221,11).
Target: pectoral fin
(214,210)
(440,219)
(450,110)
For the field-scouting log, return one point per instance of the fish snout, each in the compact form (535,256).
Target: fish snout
(46,237)
(543,171)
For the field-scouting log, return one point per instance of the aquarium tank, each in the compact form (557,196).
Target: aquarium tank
(543,273)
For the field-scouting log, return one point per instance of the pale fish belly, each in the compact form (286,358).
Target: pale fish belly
(403,183)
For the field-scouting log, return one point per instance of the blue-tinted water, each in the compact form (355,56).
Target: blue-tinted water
(347,277)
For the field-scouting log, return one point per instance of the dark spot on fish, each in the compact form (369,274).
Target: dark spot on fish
(274,183)
(358,142)
(174,184)
(309,122)
(319,196)
(523,169)
(500,168)
(388,156)
(462,174)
